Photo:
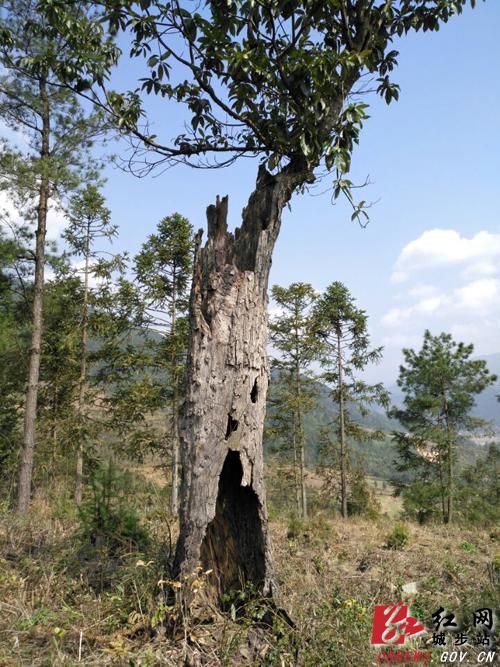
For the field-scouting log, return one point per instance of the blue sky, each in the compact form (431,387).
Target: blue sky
(431,254)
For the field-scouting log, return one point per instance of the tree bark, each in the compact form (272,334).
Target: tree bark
(31,400)
(223,515)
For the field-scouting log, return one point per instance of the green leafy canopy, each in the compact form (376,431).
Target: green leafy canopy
(279,79)
(440,383)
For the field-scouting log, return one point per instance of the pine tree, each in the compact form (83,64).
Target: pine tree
(57,418)
(420,480)
(291,334)
(342,329)
(88,223)
(128,379)
(163,269)
(58,135)
(439,383)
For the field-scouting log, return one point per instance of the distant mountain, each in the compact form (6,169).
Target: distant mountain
(376,456)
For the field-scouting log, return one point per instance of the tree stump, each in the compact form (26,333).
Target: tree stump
(223,515)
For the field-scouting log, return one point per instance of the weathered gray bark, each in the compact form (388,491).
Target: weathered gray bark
(31,400)
(223,511)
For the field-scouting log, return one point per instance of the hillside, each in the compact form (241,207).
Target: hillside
(63,602)
(376,456)
(487,405)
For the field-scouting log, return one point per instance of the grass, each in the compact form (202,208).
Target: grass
(64,602)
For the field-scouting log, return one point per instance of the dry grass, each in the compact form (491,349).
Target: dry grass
(62,603)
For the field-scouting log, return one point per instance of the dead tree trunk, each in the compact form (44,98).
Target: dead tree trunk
(223,511)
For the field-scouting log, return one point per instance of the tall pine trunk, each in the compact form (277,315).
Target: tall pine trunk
(83,373)
(223,515)
(31,400)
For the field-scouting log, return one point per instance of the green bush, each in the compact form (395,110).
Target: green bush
(399,537)
(422,501)
(467,546)
(107,516)
(295,527)
(361,500)
(478,491)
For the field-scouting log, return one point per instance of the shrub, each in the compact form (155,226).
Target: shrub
(422,501)
(478,491)
(108,518)
(361,500)
(295,527)
(399,537)
(467,546)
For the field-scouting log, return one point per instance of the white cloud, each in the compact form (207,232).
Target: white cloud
(7,206)
(480,269)
(430,305)
(398,277)
(482,332)
(396,317)
(17,138)
(445,247)
(478,295)
(423,291)
(465,301)
(56,221)
(401,340)
(94,281)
